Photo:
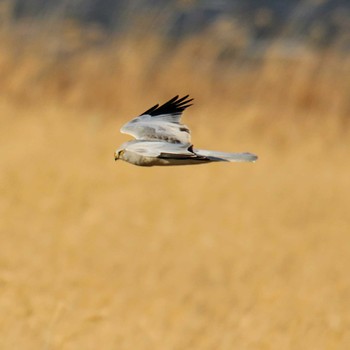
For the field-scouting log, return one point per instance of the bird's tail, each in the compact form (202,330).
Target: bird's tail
(226,157)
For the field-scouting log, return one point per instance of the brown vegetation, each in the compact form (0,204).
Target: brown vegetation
(227,256)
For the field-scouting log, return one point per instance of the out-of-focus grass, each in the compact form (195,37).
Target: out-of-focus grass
(68,69)
(97,254)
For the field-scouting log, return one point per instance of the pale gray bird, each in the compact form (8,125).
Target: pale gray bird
(162,140)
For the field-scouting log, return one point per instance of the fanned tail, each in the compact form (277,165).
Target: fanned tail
(226,157)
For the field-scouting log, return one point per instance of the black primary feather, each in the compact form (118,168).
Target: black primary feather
(174,106)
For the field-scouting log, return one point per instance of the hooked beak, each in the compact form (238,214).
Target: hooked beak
(116,156)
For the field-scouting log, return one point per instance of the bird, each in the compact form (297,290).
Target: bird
(161,140)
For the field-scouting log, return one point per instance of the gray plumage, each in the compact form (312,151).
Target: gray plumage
(162,140)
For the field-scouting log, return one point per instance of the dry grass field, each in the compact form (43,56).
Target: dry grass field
(102,255)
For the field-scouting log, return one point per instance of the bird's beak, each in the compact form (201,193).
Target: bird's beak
(116,156)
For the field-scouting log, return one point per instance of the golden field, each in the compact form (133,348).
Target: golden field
(102,255)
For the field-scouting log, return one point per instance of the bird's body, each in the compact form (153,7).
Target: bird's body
(161,139)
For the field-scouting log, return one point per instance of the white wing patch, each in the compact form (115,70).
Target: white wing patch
(161,123)
(157,130)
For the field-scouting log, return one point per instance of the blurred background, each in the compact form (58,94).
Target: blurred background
(98,254)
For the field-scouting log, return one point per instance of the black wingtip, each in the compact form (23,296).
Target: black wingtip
(175,105)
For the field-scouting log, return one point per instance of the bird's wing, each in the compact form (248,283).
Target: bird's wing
(161,123)
(161,149)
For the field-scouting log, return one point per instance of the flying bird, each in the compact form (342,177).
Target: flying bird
(160,139)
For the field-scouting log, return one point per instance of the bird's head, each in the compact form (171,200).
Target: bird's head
(118,154)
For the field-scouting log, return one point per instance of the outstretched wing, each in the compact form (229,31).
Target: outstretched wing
(156,148)
(171,152)
(161,123)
